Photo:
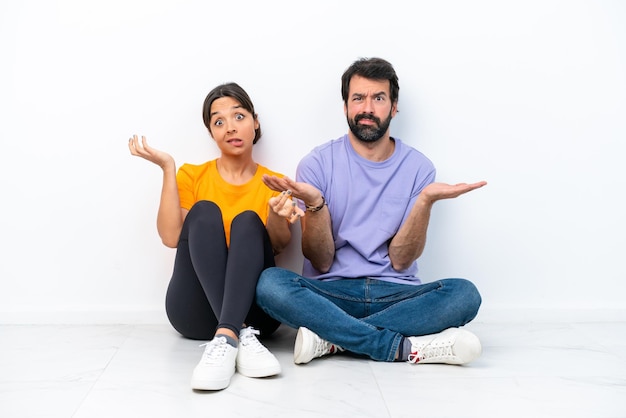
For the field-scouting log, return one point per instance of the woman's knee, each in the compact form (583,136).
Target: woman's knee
(204,205)
(246,220)
(203,210)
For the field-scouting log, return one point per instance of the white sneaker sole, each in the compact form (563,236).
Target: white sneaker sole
(303,339)
(209,384)
(263,372)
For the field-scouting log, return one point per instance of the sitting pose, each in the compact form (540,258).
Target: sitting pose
(368,198)
(227,228)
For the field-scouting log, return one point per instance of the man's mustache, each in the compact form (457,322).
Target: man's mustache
(369,117)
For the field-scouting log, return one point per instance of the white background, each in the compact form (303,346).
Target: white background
(528,95)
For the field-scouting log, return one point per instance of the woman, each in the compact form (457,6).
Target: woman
(227,226)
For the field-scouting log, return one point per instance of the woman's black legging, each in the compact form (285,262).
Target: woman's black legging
(214,285)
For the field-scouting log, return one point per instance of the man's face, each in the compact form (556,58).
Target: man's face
(369,109)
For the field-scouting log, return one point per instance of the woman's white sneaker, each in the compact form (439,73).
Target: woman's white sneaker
(253,358)
(451,346)
(216,366)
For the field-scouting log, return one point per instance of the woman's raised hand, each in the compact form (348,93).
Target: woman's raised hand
(141,149)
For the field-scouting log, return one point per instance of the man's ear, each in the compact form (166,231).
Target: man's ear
(394,109)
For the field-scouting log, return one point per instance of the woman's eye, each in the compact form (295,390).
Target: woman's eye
(239,116)
(219,122)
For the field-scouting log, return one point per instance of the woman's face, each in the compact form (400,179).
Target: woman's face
(232,126)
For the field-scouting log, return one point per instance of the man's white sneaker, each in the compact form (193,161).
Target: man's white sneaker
(451,346)
(309,346)
(253,358)
(216,366)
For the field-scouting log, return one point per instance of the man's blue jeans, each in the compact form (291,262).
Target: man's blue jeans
(364,315)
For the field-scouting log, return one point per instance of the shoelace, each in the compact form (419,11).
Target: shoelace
(248,338)
(214,350)
(429,351)
(322,347)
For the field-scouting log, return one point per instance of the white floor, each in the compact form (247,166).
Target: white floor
(526,370)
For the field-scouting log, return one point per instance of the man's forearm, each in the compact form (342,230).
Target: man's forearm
(317,239)
(410,240)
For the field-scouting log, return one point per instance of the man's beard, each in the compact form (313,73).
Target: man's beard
(369,133)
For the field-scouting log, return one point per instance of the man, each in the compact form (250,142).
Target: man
(368,198)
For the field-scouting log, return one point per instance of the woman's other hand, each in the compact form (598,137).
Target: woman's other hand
(284,206)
